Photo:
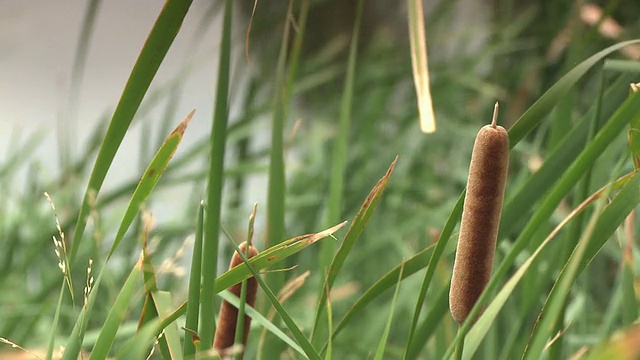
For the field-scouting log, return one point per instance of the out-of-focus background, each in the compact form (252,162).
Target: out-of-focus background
(38,45)
(61,78)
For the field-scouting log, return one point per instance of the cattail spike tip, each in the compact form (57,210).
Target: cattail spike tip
(494,120)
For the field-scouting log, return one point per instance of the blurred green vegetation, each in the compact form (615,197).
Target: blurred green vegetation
(571,142)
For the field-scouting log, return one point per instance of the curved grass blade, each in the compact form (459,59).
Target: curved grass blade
(257,318)
(264,259)
(341,144)
(116,315)
(150,179)
(447,230)
(271,256)
(439,309)
(537,112)
(276,183)
(139,345)
(151,56)
(599,230)
(562,157)
(359,222)
(409,266)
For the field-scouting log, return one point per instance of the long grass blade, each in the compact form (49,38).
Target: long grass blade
(150,178)
(116,315)
(600,228)
(139,346)
(360,221)
(54,326)
(193,297)
(537,112)
(410,266)
(74,341)
(151,56)
(169,342)
(68,121)
(439,308)
(264,259)
(563,155)
(447,230)
(341,143)
(277,187)
(214,191)
(271,256)
(379,355)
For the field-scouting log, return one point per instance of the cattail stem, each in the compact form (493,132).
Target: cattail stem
(480,218)
(459,350)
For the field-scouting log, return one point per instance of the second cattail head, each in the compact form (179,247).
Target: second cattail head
(227,320)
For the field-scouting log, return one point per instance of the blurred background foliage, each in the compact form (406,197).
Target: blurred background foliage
(509,51)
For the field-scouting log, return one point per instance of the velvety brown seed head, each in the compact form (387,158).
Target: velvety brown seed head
(480,219)
(226,330)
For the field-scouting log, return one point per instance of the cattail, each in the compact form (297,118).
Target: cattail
(226,330)
(480,218)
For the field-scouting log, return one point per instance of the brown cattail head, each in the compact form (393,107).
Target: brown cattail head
(226,330)
(480,218)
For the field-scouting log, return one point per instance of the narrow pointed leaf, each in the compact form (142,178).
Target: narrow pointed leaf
(116,315)
(151,56)
(359,222)
(150,179)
